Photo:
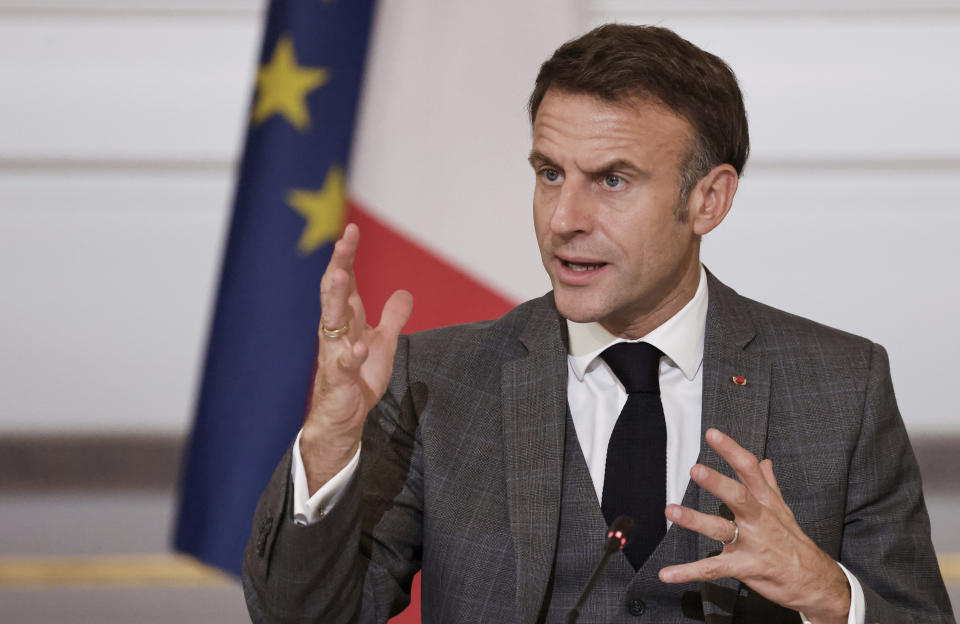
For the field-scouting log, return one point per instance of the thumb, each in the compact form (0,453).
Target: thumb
(396,313)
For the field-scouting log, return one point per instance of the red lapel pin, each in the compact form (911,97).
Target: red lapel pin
(740,380)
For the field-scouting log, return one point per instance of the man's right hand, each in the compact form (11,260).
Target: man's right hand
(353,369)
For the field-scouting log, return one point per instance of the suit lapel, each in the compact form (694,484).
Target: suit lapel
(534,406)
(533,388)
(739,411)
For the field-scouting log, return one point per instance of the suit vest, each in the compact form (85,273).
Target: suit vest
(620,595)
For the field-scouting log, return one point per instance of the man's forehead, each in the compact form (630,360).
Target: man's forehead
(598,130)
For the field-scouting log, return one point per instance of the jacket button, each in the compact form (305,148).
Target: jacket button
(637,607)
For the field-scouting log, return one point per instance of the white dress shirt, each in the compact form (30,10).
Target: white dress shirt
(595,397)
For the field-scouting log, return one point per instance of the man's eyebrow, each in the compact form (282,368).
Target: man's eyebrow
(539,158)
(619,164)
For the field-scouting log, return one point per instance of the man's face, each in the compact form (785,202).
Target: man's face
(604,209)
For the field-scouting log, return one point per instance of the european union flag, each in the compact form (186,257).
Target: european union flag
(289,208)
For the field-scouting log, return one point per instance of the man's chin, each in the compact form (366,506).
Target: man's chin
(576,309)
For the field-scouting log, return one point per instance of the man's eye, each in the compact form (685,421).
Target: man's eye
(612,181)
(551,175)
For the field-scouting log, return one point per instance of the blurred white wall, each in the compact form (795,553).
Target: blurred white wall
(120,122)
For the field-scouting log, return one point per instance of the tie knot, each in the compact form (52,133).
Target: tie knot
(636,365)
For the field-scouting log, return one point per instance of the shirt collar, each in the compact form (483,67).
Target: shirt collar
(680,337)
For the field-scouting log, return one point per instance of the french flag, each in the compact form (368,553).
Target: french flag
(299,184)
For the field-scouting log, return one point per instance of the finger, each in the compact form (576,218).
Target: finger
(357,314)
(737,497)
(352,359)
(345,250)
(766,468)
(396,313)
(709,569)
(743,462)
(340,267)
(714,527)
(334,294)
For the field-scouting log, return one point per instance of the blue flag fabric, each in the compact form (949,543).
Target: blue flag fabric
(287,212)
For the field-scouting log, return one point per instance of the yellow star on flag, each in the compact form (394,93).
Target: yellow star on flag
(283,85)
(323,210)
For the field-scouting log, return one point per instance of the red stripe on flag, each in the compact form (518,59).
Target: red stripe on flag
(442,294)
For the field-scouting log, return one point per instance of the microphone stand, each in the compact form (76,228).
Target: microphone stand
(617,537)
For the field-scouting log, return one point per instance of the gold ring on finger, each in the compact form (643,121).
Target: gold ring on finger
(736,535)
(334,333)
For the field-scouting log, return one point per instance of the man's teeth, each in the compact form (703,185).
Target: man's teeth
(583,267)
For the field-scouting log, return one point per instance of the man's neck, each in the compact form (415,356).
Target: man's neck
(643,322)
(680,337)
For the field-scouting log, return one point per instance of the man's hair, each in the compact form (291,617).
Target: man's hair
(620,62)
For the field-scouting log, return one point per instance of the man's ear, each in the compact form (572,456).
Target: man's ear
(712,198)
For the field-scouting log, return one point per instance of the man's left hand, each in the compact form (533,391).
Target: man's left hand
(771,553)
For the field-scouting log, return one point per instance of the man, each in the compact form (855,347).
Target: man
(492,456)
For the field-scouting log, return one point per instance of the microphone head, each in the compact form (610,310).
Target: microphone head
(620,532)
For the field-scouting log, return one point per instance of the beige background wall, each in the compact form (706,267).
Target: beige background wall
(120,123)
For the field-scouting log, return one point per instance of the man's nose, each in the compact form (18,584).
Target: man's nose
(572,214)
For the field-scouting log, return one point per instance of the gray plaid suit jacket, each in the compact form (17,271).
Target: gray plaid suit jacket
(462,462)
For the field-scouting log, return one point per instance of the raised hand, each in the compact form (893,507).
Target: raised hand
(766,548)
(354,361)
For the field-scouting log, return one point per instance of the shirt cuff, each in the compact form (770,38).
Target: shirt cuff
(310,509)
(858,604)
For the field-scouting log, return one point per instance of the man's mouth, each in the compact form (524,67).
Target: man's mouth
(582,266)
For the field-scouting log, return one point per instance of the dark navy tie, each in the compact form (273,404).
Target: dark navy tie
(635,479)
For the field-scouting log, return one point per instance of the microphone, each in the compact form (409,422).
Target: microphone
(618,535)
